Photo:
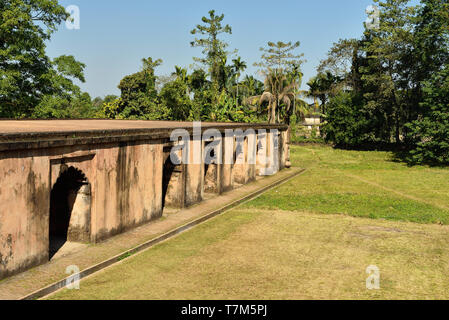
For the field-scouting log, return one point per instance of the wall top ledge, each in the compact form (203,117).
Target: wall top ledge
(31,134)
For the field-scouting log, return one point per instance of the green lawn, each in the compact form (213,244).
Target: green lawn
(312,238)
(363,184)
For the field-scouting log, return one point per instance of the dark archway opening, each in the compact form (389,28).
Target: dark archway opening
(259,147)
(169,169)
(210,170)
(240,149)
(62,199)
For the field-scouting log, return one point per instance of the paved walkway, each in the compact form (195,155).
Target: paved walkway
(27,282)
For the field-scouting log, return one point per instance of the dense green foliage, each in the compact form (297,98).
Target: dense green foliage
(216,92)
(214,49)
(34,86)
(26,74)
(281,68)
(390,86)
(430,133)
(66,100)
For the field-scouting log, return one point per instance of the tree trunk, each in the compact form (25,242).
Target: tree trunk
(273,112)
(269,112)
(397,132)
(237,96)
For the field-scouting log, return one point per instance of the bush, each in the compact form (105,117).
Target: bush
(227,109)
(348,123)
(174,96)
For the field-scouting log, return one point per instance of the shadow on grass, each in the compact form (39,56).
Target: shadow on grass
(401,153)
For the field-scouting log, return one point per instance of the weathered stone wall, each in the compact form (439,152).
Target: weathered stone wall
(24,210)
(125,191)
(126,185)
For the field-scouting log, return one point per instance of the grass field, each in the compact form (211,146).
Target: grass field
(363,184)
(312,238)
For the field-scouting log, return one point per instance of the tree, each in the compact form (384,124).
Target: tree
(252,86)
(295,73)
(214,49)
(430,51)
(395,83)
(339,58)
(139,98)
(238,66)
(322,87)
(430,132)
(174,97)
(25,25)
(198,80)
(183,77)
(278,93)
(282,70)
(181,74)
(280,56)
(300,107)
(386,75)
(348,123)
(110,98)
(314,90)
(342,64)
(378,69)
(97,103)
(148,67)
(66,100)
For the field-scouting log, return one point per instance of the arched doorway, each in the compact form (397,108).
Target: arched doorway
(168,171)
(210,170)
(62,199)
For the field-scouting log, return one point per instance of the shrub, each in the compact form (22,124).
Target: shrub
(348,123)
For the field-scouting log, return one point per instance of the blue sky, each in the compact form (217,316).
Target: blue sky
(115,35)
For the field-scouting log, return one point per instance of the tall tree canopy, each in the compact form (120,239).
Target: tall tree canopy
(281,68)
(32,84)
(25,69)
(214,49)
(280,55)
(390,84)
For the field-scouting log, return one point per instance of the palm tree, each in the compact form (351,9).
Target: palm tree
(322,86)
(181,74)
(148,66)
(299,106)
(224,75)
(252,85)
(238,66)
(198,80)
(279,92)
(314,89)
